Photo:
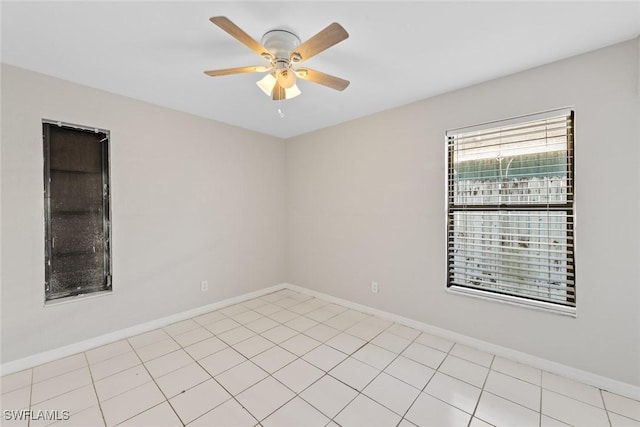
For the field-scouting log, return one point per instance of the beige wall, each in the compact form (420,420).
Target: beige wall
(192,199)
(332,210)
(366,202)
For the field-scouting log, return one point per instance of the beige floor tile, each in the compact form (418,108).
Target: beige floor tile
(346,343)
(453,391)
(391,342)
(283,316)
(620,421)
(182,379)
(435,341)
(59,367)
(374,356)
(222,326)
(261,325)
(329,395)
(232,310)
(464,370)
(300,344)
(273,359)
(364,331)
(247,317)
(113,365)
(15,381)
(157,349)
(148,338)
(392,393)
(253,346)
(324,357)
(279,334)
(298,375)
(426,355)
(208,318)
(91,416)
(517,370)
(573,389)
(161,415)
(167,363)
(363,411)
(221,361)
(205,348)
(472,355)
(409,371)
(354,373)
(108,351)
(74,402)
(404,331)
(293,413)
(229,414)
(268,309)
(199,400)
(60,384)
(16,399)
(192,336)
(241,377)
(181,327)
(622,405)
(265,397)
(122,382)
(572,411)
(131,403)
(320,315)
(236,335)
(513,389)
(429,411)
(501,412)
(301,323)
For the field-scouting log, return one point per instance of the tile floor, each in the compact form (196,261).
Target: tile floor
(287,359)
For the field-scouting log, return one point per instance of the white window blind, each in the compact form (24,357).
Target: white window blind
(510,208)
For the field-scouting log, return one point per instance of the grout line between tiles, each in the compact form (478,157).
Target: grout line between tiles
(484,383)
(604,405)
(93,385)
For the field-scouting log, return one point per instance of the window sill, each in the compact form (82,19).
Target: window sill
(75,298)
(520,302)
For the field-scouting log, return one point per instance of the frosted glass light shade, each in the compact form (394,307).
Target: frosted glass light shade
(267,83)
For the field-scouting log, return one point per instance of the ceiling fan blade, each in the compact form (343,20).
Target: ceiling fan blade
(237,70)
(321,78)
(236,32)
(326,38)
(278,92)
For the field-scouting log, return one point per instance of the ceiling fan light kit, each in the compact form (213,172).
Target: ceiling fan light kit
(282,49)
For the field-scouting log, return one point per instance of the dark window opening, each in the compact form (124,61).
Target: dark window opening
(77,211)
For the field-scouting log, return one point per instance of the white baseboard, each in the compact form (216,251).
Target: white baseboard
(71,349)
(585,377)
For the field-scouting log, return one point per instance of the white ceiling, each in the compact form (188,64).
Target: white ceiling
(397,52)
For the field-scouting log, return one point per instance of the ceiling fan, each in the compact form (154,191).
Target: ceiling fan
(282,49)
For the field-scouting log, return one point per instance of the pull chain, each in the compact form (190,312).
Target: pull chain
(280,112)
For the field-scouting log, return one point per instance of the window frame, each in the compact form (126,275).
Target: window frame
(106,215)
(569,207)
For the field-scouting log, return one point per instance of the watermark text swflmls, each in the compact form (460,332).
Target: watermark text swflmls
(40,415)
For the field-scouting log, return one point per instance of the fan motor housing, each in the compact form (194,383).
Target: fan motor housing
(280,43)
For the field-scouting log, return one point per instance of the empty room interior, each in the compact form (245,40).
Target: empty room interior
(320,213)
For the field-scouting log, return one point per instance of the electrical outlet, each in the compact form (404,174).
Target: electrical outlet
(204,285)
(374,287)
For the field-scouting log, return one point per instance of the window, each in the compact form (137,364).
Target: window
(510,210)
(77,213)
